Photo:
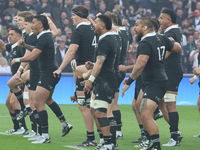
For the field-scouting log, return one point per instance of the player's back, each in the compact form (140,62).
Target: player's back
(84,36)
(126,41)
(155,47)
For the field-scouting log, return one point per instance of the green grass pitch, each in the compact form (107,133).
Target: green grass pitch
(189,125)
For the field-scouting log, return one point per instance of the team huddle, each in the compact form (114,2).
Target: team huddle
(100,48)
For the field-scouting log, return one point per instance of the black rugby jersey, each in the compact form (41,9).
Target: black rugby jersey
(84,36)
(174,62)
(31,39)
(119,48)
(126,41)
(46,43)
(155,47)
(107,47)
(15,52)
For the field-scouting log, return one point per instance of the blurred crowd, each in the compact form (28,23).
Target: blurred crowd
(188,19)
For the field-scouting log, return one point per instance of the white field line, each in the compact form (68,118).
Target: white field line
(74,147)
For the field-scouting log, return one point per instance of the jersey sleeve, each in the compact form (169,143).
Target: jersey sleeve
(103,48)
(8,47)
(169,34)
(169,44)
(144,48)
(41,43)
(76,37)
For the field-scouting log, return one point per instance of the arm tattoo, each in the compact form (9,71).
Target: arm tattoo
(29,47)
(143,105)
(137,71)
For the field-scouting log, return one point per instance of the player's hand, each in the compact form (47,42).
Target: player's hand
(88,86)
(89,65)
(171,39)
(124,89)
(15,18)
(125,80)
(21,43)
(18,77)
(196,71)
(12,62)
(122,68)
(44,14)
(98,14)
(57,73)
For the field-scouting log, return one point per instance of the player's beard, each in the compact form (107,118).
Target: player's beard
(139,36)
(97,32)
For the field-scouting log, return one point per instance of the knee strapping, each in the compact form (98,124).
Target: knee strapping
(25,95)
(103,122)
(81,100)
(169,97)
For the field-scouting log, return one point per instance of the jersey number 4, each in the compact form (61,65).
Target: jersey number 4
(161,52)
(94,42)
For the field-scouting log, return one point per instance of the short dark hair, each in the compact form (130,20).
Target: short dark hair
(155,24)
(145,21)
(119,23)
(171,13)
(81,11)
(16,30)
(106,20)
(113,17)
(29,19)
(43,20)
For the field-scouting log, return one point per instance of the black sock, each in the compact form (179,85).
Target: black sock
(142,130)
(19,96)
(107,140)
(14,120)
(156,141)
(23,123)
(33,122)
(113,125)
(147,135)
(90,136)
(44,121)
(57,111)
(38,121)
(117,115)
(173,119)
(156,111)
(100,133)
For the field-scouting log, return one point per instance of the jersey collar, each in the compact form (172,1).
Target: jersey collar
(83,23)
(171,27)
(30,33)
(148,34)
(122,28)
(45,31)
(105,34)
(23,31)
(14,45)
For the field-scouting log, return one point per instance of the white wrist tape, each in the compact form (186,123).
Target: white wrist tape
(21,67)
(49,22)
(17,60)
(18,71)
(195,77)
(92,78)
